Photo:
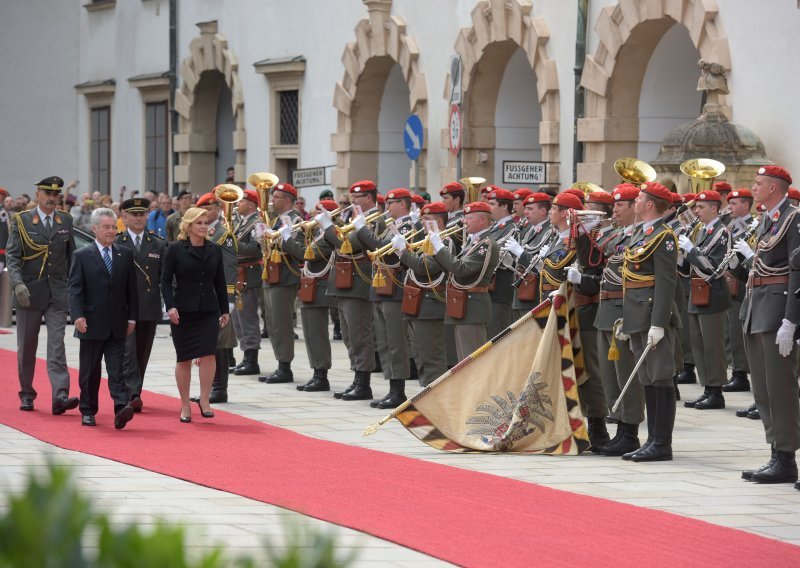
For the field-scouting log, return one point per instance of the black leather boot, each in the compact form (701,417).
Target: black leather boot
(339,394)
(361,389)
(738,382)
(283,374)
(249,365)
(677,390)
(687,376)
(598,434)
(712,401)
(337,331)
(797,485)
(650,404)
(747,474)
(784,470)
(627,440)
(231,361)
(743,412)
(660,449)
(319,382)
(219,388)
(692,403)
(754,414)
(396,396)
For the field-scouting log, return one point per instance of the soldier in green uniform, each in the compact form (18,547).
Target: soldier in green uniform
(350,284)
(470,273)
(724,189)
(315,303)
(391,333)
(453,196)
(771,311)
(502,291)
(38,258)
(245,321)
(174,220)
(649,316)
(617,365)
(219,233)
(283,279)
(709,298)
(531,247)
(5,221)
(148,252)
(683,343)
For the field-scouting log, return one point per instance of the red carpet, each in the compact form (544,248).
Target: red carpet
(464,517)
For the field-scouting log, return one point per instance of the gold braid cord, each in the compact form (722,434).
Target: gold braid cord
(546,278)
(642,253)
(36,250)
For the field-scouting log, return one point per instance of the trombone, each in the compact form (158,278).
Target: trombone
(342,232)
(425,244)
(379,253)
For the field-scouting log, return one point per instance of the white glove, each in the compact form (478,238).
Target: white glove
(785,338)
(513,247)
(587,226)
(655,335)
(258,230)
(359,222)
(23,295)
(324,219)
(685,243)
(414,214)
(573,276)
(618,333)
(286,232)
(398,243)
(436,241)
(744,249)
(543,250)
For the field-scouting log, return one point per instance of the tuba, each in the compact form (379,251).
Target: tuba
(263,182)
(702,172)
(473,187)
(635,171)
(228,194)
(586,187)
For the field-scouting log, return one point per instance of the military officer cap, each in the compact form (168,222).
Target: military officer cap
(708,195)
(521,194)
(722,186)
(537,197)
(655,189)
(625,192)
(363,186)
(328,204)
(577,193)
(52,183)
(135,205)
(477,207)
(742,193)
(776,172)
(568,200)
(602,197)
(501,194)
(398,193)
(207,199)
(793,193)
(434,208)
(451,188)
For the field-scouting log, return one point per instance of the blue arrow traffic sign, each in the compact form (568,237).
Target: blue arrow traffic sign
(412,137)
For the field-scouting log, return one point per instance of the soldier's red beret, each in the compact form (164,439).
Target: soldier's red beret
(452,187)
(362,186)
(431,208)
(285,188)
(398,193)
(742,193)
(577,193)
(521,194)
(708,195)
(776,172)
(625,192)
(477,207)
(251,195)
(538,197)
(328,204)
(380,198)
(676,198)
(600,197)
(568,200)
(418,199)
(655,189)
(207,199)
(793,193)
(687,197)
(722,186)
(501,194)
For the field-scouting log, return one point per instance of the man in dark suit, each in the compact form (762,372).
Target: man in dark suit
(148,253)
(104,306)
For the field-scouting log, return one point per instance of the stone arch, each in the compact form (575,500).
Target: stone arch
(628,33)
(499,28)
(212,62)
(381,42)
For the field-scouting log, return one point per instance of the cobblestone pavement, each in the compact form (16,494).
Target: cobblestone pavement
(711,448)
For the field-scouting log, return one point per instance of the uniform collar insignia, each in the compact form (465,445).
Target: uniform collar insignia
(776,216)
(649,231)
(35,219)
(211,231)
(57,217)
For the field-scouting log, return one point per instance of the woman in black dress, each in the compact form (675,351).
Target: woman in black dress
(196,298)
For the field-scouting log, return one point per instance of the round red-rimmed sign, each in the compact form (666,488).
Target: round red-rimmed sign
(454,128)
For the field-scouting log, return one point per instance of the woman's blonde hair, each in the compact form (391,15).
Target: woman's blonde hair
(192,214)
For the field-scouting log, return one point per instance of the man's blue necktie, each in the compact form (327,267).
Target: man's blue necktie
(107,260)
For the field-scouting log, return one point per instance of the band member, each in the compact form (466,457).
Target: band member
(793,195)
(470,273)
(391,334)
(615,370)
(349,283)
(686,375)
(532,247)
(724,190)
(709,298)
(103,304)
(520,195)
(148,252)
(682,342)
(314,302)
(39,255)
(649,316)
(771,311)
(741,226)
(502,202)
(245,321)
(283,279)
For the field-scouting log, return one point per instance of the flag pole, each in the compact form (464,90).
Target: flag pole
(372,428)
(630,379)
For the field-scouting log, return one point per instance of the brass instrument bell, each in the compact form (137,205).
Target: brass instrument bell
(263,182)
(702,172)
(635,171)
(473,187)
(228,194)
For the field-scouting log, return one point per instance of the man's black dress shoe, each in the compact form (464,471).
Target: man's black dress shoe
(26,404)
(88,420)
(122,417)
(136,403)
(61,405)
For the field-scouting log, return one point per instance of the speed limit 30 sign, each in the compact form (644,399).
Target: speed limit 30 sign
(454,125)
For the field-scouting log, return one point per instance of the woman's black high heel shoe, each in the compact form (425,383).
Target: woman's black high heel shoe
(186,419)
(203,413)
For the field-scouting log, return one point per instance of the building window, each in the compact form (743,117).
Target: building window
(156,148)
(288,118)
(100,152)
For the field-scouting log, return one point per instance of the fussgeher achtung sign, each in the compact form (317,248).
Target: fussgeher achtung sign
(524,172)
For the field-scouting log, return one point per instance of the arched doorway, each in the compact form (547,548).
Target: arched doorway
(210,104)
(641,81)
(392,159)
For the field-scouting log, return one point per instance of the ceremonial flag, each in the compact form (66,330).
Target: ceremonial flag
(517,393)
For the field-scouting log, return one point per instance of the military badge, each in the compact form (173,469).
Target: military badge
(670,245)
(211,232)
(35,220)
(649,231)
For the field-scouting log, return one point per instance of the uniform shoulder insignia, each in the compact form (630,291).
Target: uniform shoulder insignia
(156,236)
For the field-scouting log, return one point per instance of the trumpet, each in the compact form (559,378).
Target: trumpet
(425,243)
(387,248)
(312,223)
